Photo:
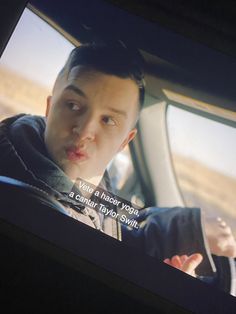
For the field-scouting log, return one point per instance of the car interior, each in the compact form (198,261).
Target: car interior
(183,154)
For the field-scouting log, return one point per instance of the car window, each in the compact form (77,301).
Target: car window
(26,74)
(204,154)
(124,181)
(27,79)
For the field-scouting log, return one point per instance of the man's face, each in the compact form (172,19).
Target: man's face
(90,118)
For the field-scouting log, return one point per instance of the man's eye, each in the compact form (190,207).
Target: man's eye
(73,106)
(108,120)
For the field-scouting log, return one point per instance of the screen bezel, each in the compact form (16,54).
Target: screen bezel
(84,255)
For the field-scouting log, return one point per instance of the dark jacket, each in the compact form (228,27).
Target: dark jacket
(163,233)
(23,156)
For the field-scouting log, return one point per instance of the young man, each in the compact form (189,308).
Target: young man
(90,117)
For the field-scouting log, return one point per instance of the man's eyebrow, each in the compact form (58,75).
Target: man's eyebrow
(118,111)
(81,93)
(76,90)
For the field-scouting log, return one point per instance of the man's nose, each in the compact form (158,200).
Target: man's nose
(85,129)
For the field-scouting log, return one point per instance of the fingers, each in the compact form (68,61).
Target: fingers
(191,263)
(183,258)
(228,243)
(167,261)
(176,262)
(223,225)
(220,238)
(230,251)
(188,264)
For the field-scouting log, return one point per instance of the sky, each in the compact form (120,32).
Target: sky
(35,38)
(34,42)
(202,139)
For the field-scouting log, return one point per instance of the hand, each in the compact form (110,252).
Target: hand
(187,264)
(220,237)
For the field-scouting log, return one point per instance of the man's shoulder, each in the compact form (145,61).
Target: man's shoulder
(23,155)
(22,126)
(24,120)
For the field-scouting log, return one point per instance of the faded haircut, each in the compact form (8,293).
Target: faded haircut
(113,59)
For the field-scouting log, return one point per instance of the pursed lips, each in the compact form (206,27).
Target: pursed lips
(76,154)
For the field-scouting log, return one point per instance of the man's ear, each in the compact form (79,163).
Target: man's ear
(49,102)
(129,138)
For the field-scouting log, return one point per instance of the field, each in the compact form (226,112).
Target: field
(210,190)
(20,95)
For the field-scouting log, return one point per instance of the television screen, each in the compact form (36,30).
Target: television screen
(126,129)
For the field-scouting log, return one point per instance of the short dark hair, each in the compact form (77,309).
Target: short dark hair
(114,59)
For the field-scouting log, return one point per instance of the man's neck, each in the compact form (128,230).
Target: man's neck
(92,182)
